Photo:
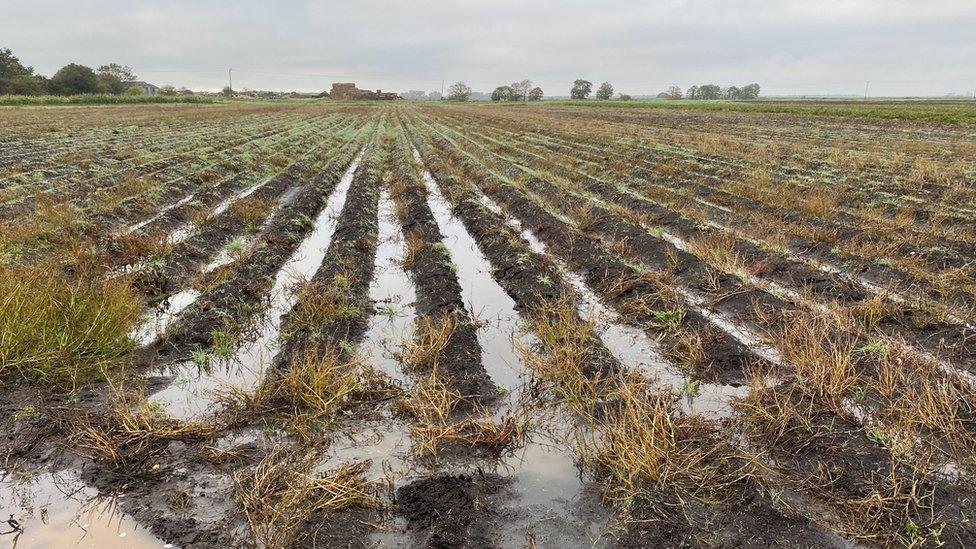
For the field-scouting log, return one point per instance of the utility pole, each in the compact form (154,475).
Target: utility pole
(442,87)
(866,84)
(230,79)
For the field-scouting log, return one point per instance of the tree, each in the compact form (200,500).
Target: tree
(625,97)
(750,91)
(74,79)
(535,94)
(605,91)
(674,92)
(693,93)
(122,72)
(134,90)
(733,92)
(502,93)
(227,91)
(24,84)
(459,91)
(709,91)
(581,89)
(17,79)
(109,83)
(521,89)
(516,90)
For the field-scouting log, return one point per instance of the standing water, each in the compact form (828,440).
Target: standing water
(192,393)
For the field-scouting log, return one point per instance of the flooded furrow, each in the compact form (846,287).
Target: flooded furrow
(159,317)
(542,486)
(629,344)
(192,392)
(492,309)
(393,295)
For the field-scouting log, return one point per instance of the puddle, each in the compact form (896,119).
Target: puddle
(393,295)
(58,510)
(546,484)
(192,393)
(133,228)
(491,308)
(629,344)
(162,316)
(386,443)
(543,490)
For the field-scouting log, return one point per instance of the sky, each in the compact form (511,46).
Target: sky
(902,47)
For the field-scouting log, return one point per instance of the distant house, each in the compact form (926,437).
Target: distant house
(146,87)
(348,90)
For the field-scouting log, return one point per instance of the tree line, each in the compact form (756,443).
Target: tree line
(523,90)
(71,79)
(583,88)
(712,91)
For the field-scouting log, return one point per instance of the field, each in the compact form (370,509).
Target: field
(449,325)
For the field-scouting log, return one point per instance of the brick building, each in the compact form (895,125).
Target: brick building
(348,90)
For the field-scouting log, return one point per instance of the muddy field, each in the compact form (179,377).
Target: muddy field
(421,325)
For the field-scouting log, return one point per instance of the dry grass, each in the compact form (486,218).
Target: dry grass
(718,249)
(434,407)
(687,350)
(566,354)
(925,409)
(252,211)
(430,338)
(314,388)
(321,304)
(822,358)
(414,244)
(646,446)
(636,438)
(133,430)
(281,493)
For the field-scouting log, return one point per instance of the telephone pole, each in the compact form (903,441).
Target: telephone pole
(442,87)
(866,84)
(230,79)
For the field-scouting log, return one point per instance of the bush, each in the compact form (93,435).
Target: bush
(75,79)
(95,99)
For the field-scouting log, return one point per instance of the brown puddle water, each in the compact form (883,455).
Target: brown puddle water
(58,510)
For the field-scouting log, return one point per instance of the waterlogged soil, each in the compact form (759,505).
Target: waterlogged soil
(194,386)
(458,240)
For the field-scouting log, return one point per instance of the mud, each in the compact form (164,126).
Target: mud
(438,292)
(193,390)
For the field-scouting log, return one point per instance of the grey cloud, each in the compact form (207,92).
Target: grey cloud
(905,47)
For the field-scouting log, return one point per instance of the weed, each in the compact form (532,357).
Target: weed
(668,320)
(224,343)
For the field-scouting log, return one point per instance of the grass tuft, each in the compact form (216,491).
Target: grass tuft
(60,332)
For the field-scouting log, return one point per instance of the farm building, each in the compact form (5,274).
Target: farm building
(348,90)
(146,87)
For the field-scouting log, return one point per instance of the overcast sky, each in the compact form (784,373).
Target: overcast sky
(789,47)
